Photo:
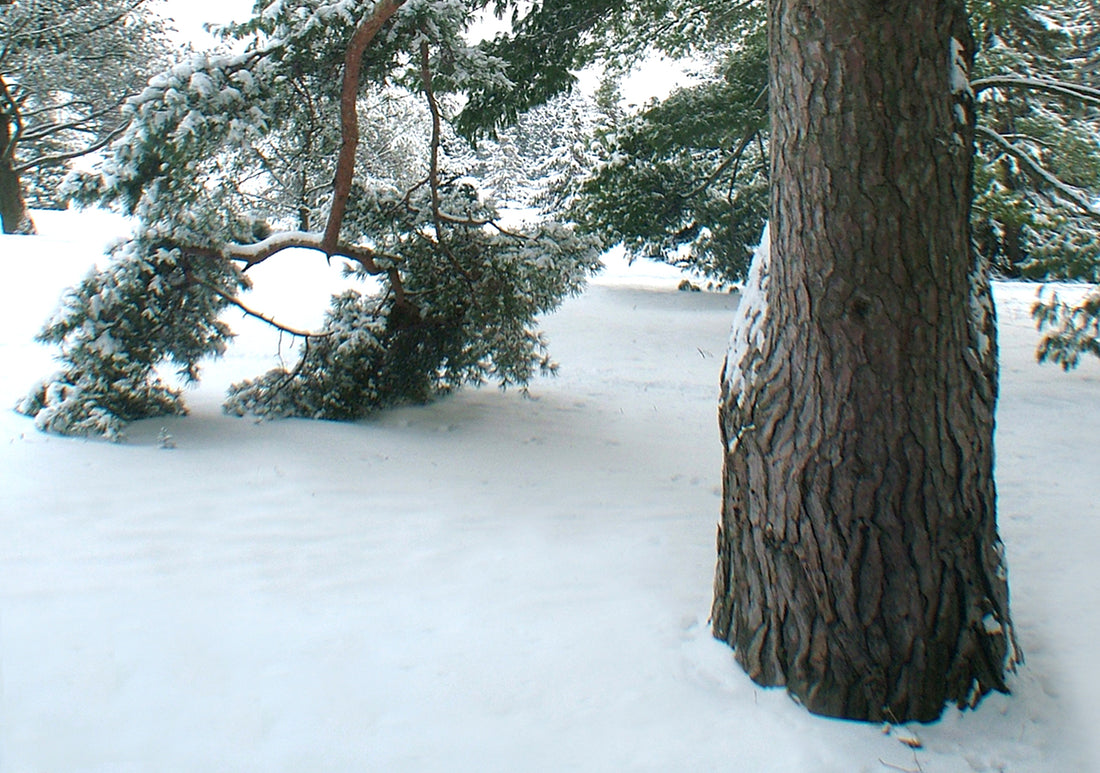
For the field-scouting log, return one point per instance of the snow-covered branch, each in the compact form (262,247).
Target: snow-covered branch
(253,254)
(1058,88)
(1078,199)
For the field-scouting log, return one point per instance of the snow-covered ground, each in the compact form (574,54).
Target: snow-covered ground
(489,583)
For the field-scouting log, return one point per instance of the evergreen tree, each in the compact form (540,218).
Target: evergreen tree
(685,180)
(229,160)
(535,162)
(66,66)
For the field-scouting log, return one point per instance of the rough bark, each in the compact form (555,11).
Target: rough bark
(858,558)
(14,218)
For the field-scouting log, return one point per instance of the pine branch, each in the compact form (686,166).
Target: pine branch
(11,109)
(1059,88)
(733,158)
(65,32)
(254,254)
(433,163)
(1084,206)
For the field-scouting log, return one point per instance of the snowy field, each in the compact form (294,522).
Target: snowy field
(488,583)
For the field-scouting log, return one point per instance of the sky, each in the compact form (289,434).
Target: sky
(189,15)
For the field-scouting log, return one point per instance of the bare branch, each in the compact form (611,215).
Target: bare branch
(892,766)
(258,315)
(56,159)
(80,124)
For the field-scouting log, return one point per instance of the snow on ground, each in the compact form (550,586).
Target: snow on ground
(488,583)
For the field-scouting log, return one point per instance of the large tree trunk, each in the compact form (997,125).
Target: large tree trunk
(858,556)
(14,218)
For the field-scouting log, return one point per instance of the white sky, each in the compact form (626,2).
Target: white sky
(188,16)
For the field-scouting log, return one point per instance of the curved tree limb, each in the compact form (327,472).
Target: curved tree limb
(60,157)
(256,314)
(254,254)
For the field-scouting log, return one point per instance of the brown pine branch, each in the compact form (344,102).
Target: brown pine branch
(433,168)
(254,254)
(349,118)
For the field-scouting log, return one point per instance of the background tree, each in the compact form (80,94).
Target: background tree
(535,162)
(859,563)
(685,180)
(65,69)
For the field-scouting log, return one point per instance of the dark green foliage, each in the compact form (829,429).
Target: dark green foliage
(1024,225)
(540,53)
(1037,185)
(1073,330)
(687,179)
(555,38)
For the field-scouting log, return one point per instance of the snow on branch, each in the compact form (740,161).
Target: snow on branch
(252,254)
(1059,88)
(1075,197)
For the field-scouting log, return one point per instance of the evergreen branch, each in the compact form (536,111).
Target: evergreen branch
(734,158)
(66,33)
(1084,206)
(1059,88)
(349,116)
(471,222)
(436,138)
